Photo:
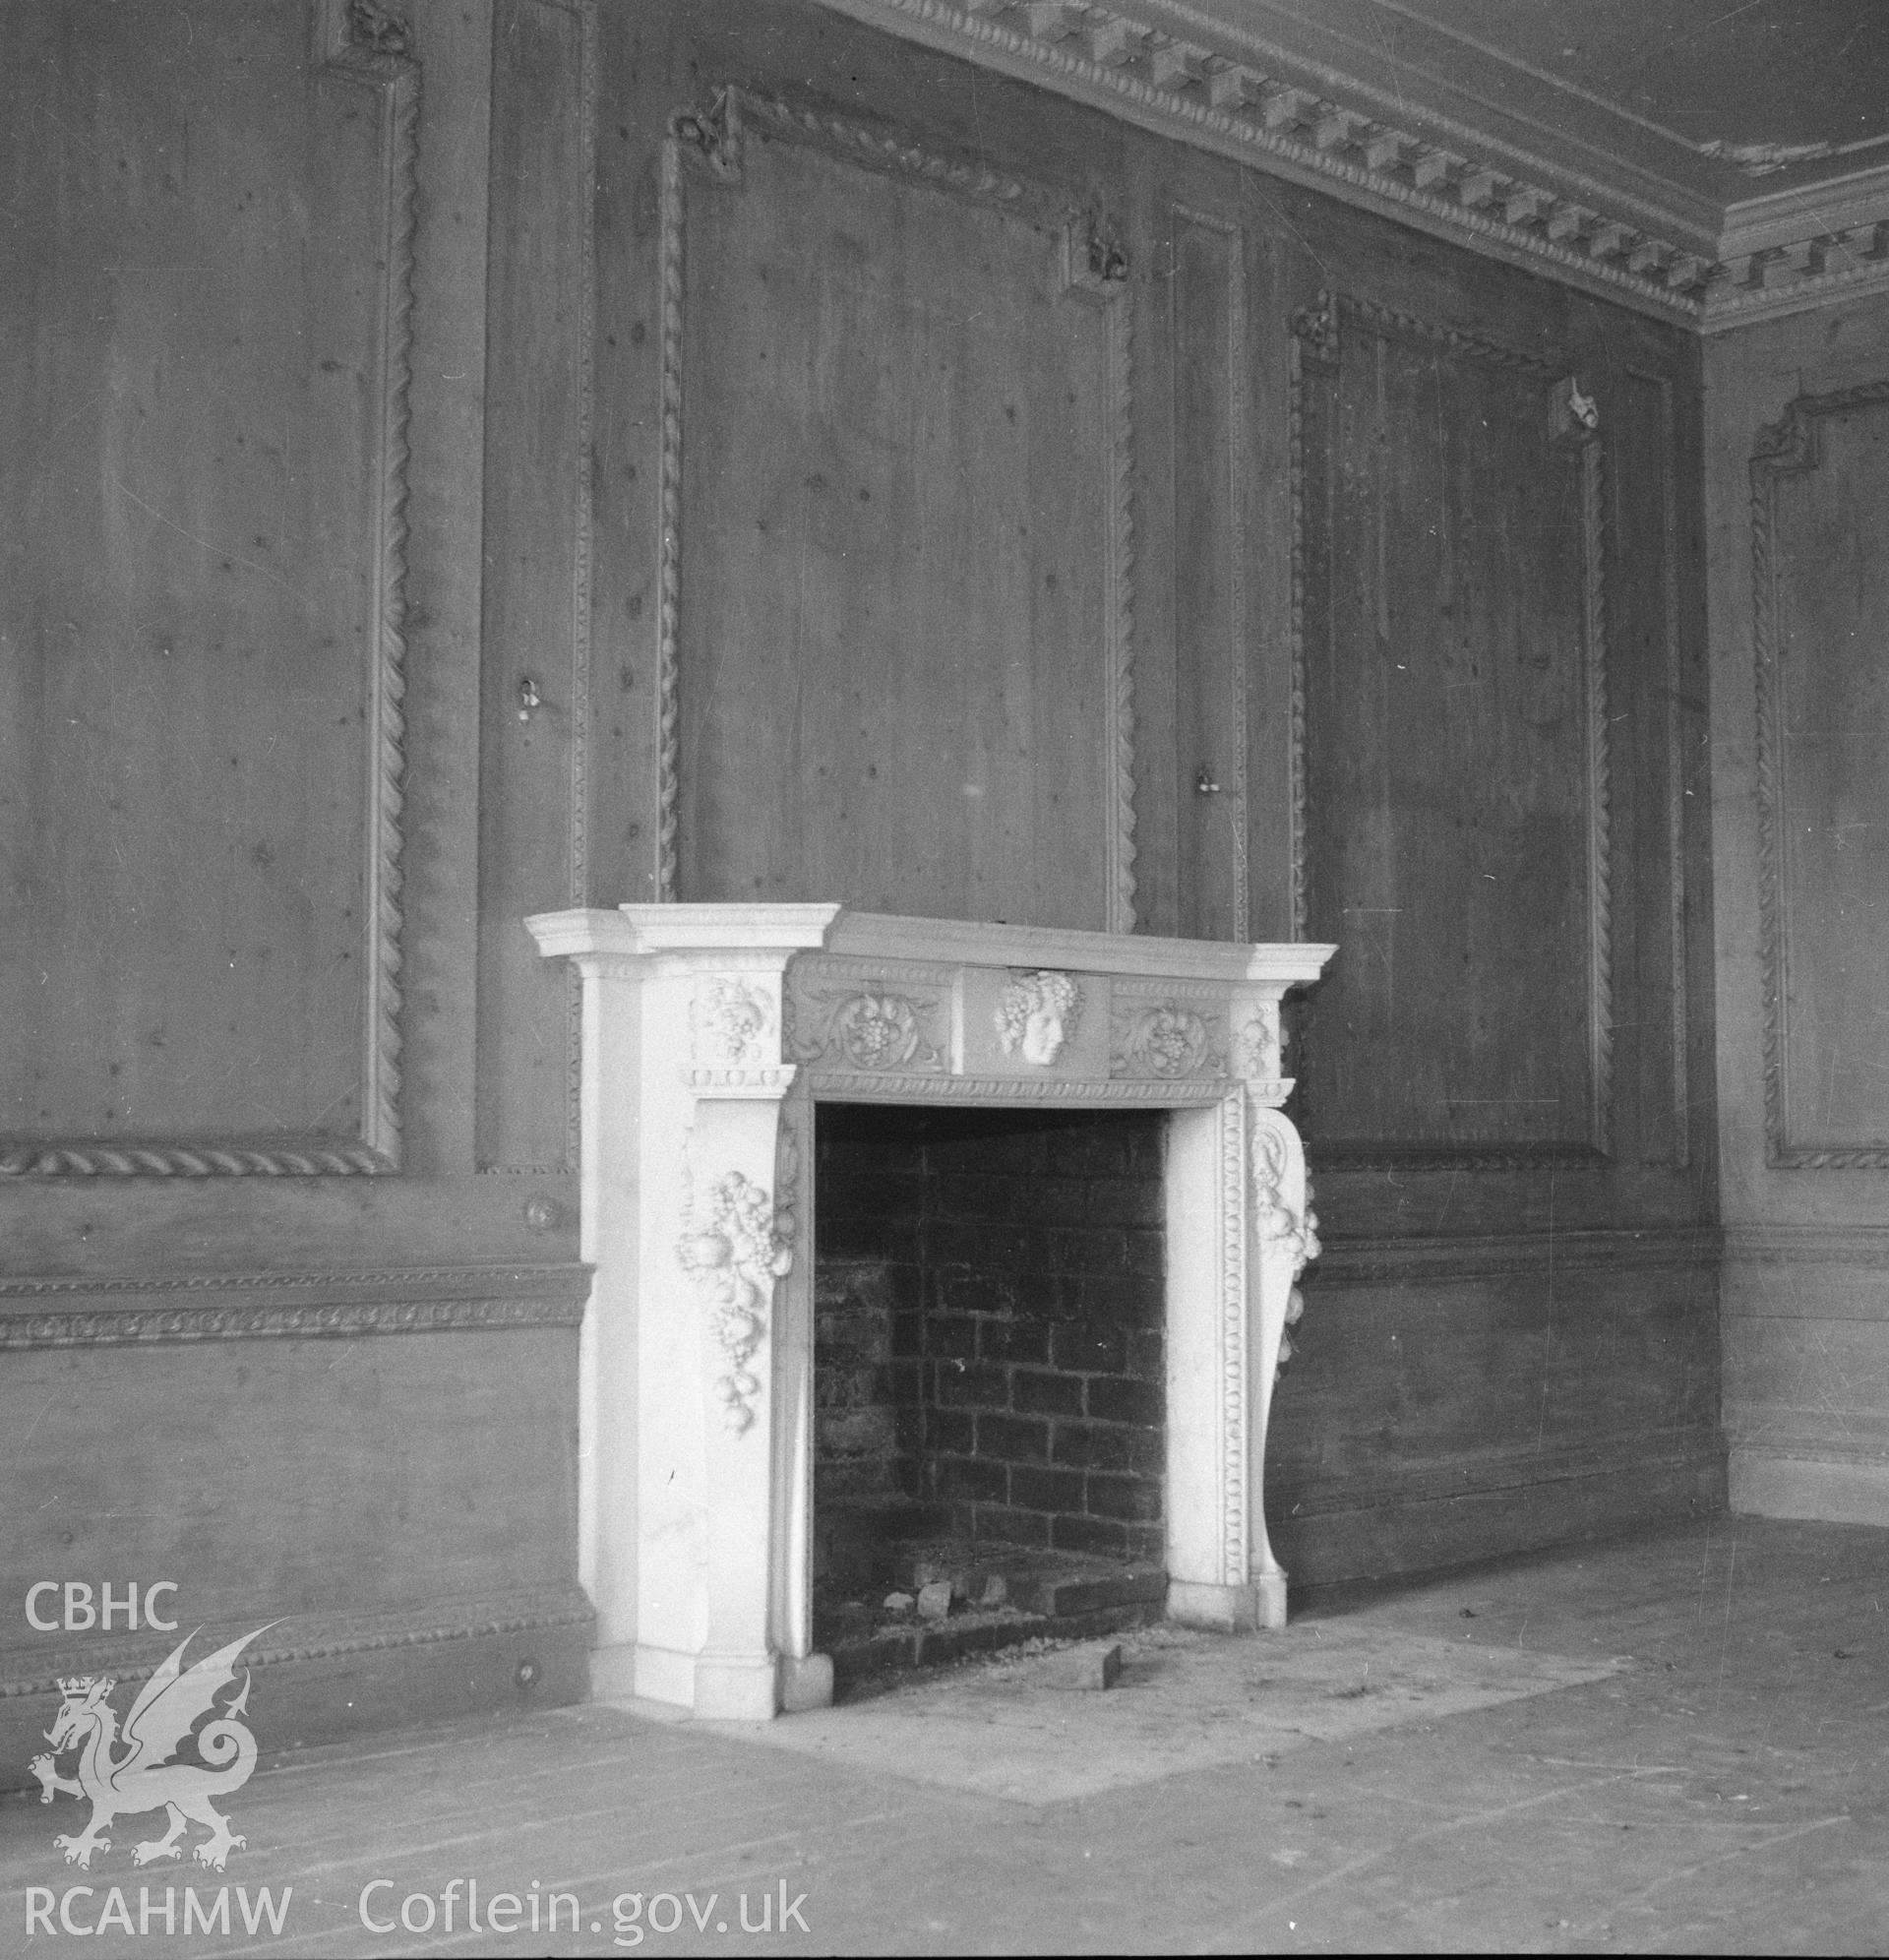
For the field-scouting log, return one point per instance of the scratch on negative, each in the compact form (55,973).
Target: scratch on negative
(1467,1822)
(235,557)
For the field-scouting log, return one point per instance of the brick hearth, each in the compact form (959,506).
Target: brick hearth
(989,1324)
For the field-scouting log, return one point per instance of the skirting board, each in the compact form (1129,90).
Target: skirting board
(1387,1537)
(1830,1490)
(316,1682)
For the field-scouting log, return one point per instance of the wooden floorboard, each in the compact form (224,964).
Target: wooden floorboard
(1722,1788)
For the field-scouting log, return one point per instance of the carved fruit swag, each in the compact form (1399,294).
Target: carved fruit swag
(736,1246)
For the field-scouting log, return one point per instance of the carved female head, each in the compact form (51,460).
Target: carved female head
(1037,1014)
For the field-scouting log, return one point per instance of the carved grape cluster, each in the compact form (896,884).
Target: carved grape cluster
(877,1030)
(735,1247)
(1171,1041)
(731,1025)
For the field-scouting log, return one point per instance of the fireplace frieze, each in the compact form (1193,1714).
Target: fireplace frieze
(1165,1038)
(870,1028)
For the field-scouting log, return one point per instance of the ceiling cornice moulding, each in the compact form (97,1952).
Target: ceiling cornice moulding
(1305,127)
(1461,96)
(1816,272)
(1793,249)
(1632,237)
(1778,219)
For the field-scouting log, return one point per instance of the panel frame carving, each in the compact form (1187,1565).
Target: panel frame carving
(65,1312)
(709,145)
(1789,447)
(582,554)
(371,45)
(1239,468)
(1319,334)
(1672,676)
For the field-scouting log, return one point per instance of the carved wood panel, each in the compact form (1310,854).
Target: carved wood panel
(1820,589)
(539,736)
(1652,731)
(1211,459)
(1453,796)
(897,529)
(202,470)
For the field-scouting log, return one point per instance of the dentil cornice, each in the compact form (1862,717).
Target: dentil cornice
(1795,248)
(1435,155)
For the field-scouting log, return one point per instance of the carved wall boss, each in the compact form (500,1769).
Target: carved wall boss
(735,1246)
(377,30)
(731,1025)
(1317,332)
(713,134)
(1095,259)
(1037,1014)
(1571,415)
(1166,1041)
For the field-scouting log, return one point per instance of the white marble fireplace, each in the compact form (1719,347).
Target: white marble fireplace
(710,1033)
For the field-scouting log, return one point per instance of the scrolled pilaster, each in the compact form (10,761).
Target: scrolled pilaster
(1285,1236)
(1283,1218)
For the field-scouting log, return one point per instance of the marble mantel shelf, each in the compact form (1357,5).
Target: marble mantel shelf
(710,1033)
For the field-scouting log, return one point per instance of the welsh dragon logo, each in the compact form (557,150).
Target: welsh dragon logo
(141,1770)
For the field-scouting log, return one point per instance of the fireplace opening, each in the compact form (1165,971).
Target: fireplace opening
(990,1382)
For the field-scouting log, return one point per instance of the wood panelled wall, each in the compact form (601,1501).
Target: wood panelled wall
(1456,761)
(904,428)
(1797,477)
(268,1333)
(1017,516)
(482,460)
(207,461)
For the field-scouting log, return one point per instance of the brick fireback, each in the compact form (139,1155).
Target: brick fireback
(989,1321)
